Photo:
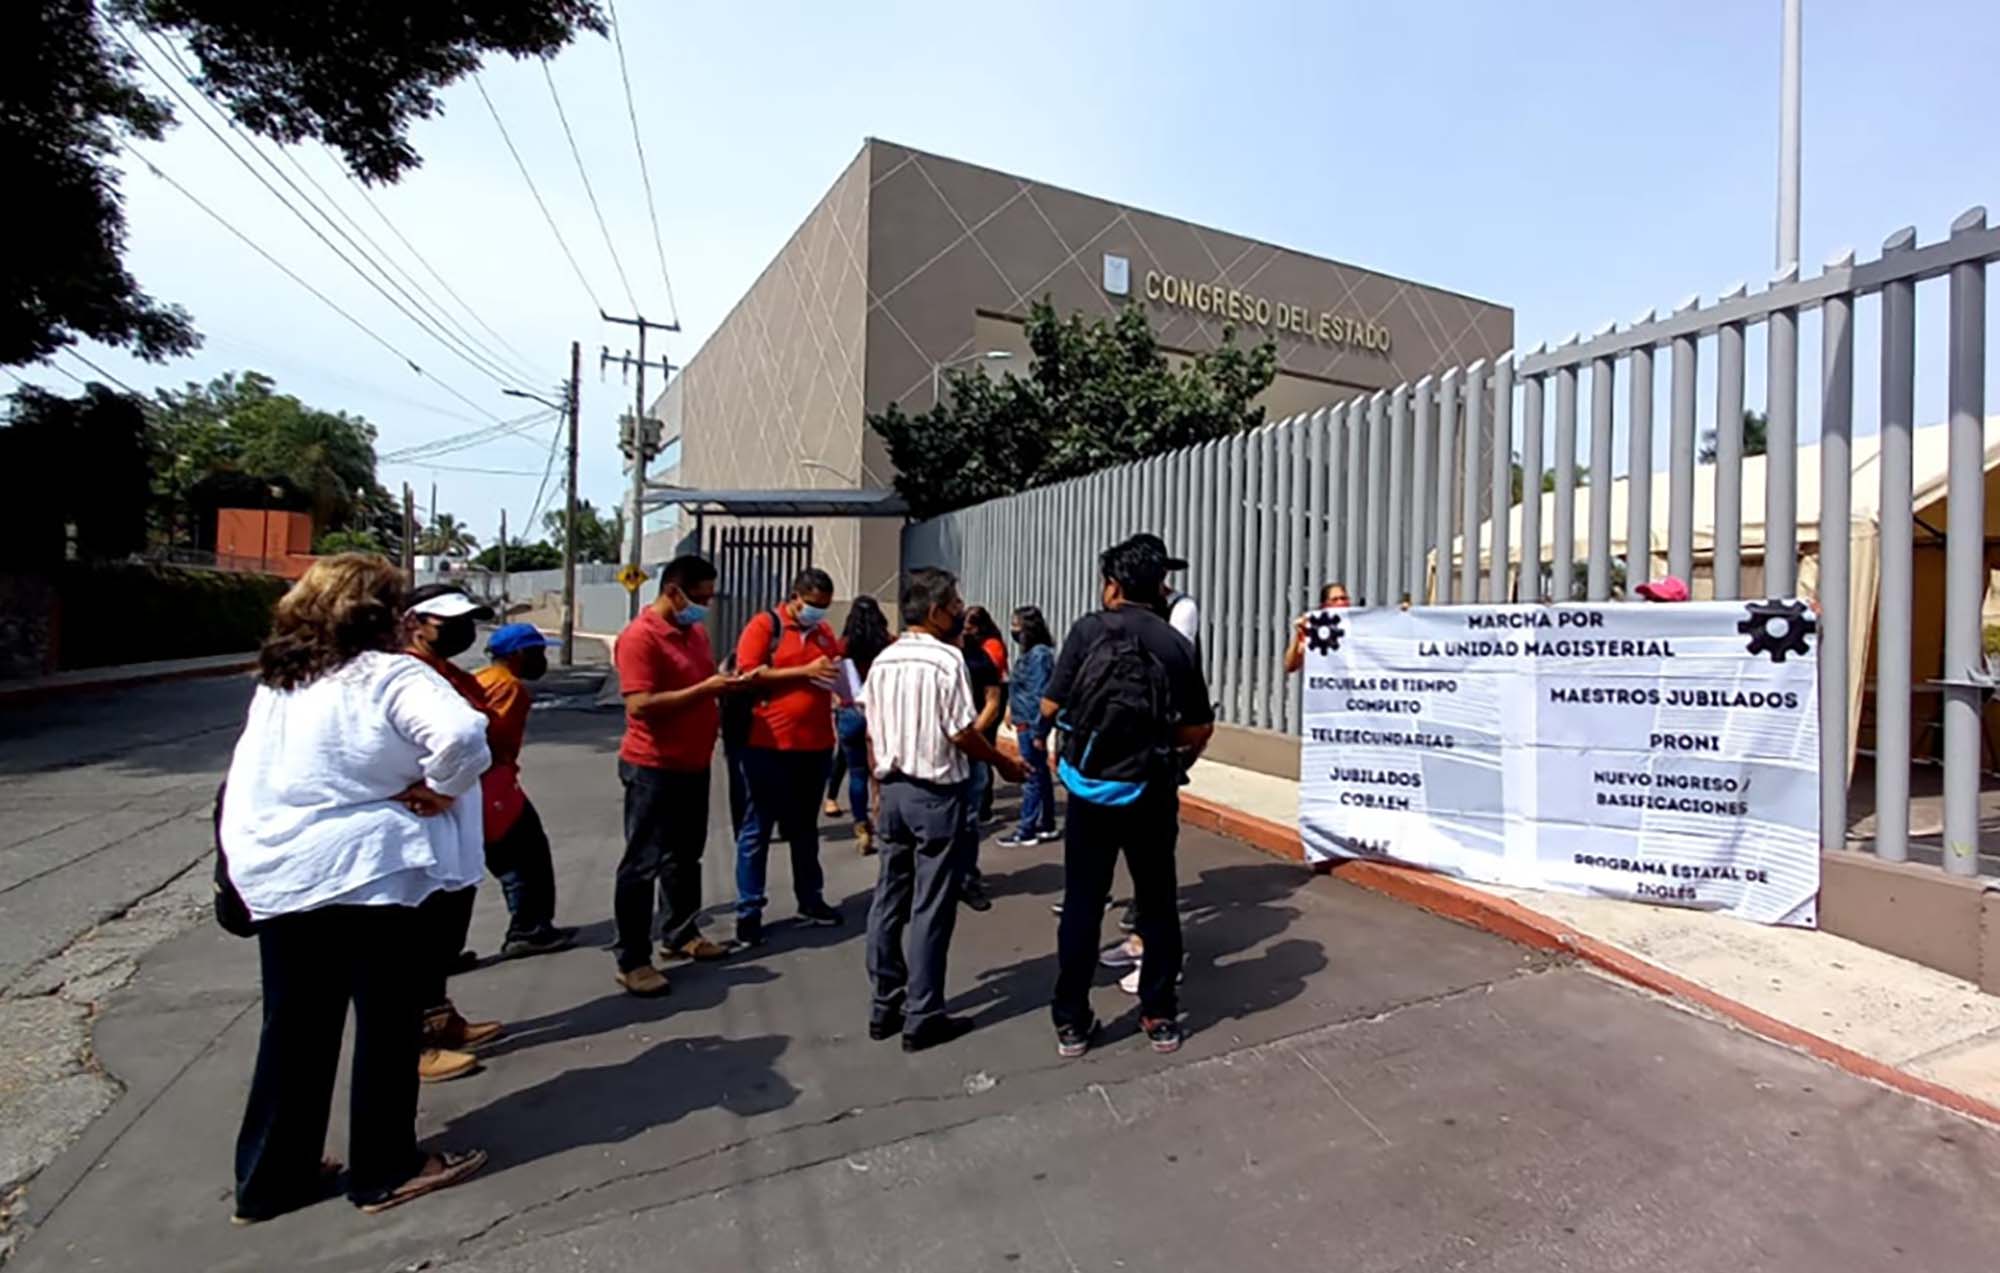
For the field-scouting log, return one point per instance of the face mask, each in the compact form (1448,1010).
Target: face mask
(1019,636)
(956,632)
(690,614)
(534,665)
(454,637)
(809,616)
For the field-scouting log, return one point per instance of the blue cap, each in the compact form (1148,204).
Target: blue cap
(514,638)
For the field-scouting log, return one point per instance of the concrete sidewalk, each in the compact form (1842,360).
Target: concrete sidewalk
(1362,1081)
(122,676)
(1797,986)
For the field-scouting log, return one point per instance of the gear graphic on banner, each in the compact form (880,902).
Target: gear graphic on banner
(1778,628)
(1323,632)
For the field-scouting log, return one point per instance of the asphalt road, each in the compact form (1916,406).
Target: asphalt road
(1365,1087)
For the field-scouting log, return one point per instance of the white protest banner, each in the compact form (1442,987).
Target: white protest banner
(1661,753)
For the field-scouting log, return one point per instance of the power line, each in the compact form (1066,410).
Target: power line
(107,375)
(589,193)
(499,377)
(632,112)
(291,274)
(457,468)
(465,441)
(440,315)
(553,227)
(555,441)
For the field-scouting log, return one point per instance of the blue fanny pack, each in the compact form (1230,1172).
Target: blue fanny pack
(1104,791)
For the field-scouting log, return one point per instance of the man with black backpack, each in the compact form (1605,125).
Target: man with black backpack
(1133,709)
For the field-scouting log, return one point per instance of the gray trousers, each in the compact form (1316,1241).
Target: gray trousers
(917,891)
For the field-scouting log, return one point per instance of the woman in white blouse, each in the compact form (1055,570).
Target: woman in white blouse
(345,809)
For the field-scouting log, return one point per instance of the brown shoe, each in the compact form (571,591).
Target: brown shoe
(864,836)
(445,1028)
(439,1065)
(644,981)
(440,1171)
(700,949)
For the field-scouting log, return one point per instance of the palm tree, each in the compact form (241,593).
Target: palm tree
(446,537)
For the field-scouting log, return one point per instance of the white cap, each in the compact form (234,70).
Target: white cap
(450,605)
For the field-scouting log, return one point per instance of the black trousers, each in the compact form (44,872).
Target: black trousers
(520,861)
(1146,832)
(444,922)
(666,824)
(314,964)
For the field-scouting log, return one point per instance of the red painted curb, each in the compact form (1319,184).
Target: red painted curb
(1446,897)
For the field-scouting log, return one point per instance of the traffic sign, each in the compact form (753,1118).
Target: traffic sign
(632,576)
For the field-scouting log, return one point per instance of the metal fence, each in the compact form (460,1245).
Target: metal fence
(756,566)
(1367,491)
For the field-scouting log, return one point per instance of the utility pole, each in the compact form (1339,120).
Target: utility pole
(1788,141)
(409,537)
(503,562)
(569,517)
(641,452)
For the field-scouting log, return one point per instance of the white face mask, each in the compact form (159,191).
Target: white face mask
(810,616)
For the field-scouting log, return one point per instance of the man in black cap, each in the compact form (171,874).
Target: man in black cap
(1182,613)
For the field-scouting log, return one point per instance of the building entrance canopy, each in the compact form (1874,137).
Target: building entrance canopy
(778,503)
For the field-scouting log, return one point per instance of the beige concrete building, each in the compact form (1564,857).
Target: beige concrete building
(913,263)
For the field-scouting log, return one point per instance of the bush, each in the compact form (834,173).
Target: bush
(142,613)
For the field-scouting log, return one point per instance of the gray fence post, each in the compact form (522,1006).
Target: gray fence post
(1965,557)
(1836,503)
(1603,384)
(1503,494)
(1423,483)
(1468,488)
(1376,566)
(1562,567)
(1297,510)
(1897,610)
(1447,473)
(1270,484)
(1396,575)
(1680,453)
(1727,555)
(1356,545)
(1333,565)
(1534,401)
(1316,505)
(1233,524)
(1638,469)
(1781,452)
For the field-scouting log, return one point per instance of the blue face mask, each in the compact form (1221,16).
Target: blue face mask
(809,616)
(691,614)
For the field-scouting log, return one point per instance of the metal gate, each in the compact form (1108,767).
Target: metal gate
(755,566)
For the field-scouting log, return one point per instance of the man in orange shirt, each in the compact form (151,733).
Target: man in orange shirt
(517,848)
(788,657)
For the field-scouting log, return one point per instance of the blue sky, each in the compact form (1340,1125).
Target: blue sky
(1578,161)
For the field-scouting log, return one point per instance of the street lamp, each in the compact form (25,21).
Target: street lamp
(938,368)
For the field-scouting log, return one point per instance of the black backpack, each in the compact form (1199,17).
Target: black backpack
(1119,718)
(737,709)
(230,911)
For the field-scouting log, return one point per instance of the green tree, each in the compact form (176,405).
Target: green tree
(521,555)
(598,538)
(446,536)
(355,74)
(1096,394)
(240,423)
(1756,435)
(83,469)
(350,541)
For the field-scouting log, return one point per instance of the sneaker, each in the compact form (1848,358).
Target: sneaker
(465,961)
(1126,954)
(935,1031)
(1049,836)
(544,942)
(1056,907)
(1073,1041)
(699,949)
(886,1028)
(1018,841)
(1129,921)
(749,930)
(446,1028)
(645,981)
(1164,1032)
(820,915)
(440,1065)
(976,898)
(1129,983)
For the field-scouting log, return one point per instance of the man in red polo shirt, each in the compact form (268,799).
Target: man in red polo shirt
(666,671)
(790,656)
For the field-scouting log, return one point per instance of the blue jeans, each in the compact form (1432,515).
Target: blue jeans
(783,789)
(968,822)
(1038,793)
(853,729)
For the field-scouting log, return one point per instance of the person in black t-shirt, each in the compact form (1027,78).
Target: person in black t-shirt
(1133,708)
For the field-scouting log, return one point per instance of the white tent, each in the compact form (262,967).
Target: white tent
(1930,478)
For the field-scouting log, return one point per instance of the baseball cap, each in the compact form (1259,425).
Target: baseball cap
(1155,542)
(442,601)
(1665,588)
(514,638)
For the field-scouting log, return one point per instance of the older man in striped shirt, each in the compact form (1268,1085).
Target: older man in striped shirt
(921,734)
